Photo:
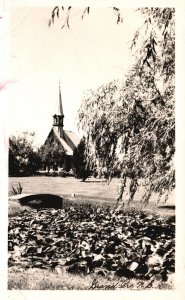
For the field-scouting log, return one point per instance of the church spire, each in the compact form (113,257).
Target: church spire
(58,120)
(60,102)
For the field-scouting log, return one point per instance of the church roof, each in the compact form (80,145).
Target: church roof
(69,141)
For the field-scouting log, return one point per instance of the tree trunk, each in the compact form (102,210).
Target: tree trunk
(121,188)
(132,190)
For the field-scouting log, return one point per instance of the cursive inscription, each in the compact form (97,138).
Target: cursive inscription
(120,284)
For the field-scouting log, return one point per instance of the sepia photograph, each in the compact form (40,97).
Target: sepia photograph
(91,148)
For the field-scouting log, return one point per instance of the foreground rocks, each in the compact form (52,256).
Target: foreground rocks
(94,240)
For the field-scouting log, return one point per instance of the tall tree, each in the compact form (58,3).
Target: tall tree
(130,125)
(81,168)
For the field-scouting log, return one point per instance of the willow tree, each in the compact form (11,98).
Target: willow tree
(130,125)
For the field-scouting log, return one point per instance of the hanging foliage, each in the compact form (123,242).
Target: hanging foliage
(130,125)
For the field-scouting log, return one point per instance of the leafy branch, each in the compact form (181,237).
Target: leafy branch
(66,13)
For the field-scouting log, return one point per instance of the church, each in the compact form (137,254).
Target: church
(67,139)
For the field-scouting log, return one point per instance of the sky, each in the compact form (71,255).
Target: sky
(92,52)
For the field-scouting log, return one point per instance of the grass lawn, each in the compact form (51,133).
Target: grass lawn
(92,189)
(66,186)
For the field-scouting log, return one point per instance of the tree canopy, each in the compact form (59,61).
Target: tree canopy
(52,156)
(130,124)
(23,157)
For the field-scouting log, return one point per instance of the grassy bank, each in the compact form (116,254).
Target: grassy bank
(37,279)
(14,208)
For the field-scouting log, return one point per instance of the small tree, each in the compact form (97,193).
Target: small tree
(13,162)
(23,158)
(52,156)
(81,168)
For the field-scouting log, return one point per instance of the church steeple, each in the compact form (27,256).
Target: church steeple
(60,108)
(58,120)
